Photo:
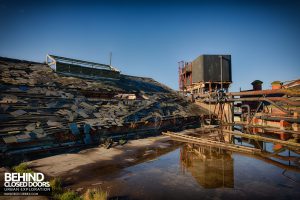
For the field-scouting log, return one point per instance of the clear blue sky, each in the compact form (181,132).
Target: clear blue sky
(149,38)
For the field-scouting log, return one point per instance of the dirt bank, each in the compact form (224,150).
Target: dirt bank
(84,165)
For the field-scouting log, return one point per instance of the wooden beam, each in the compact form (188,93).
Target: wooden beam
(211,143)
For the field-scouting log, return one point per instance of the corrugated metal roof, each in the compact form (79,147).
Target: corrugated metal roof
(82,63)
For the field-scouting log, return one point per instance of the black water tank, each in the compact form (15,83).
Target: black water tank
(207,68)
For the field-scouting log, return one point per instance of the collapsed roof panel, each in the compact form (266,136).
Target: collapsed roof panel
(52,109)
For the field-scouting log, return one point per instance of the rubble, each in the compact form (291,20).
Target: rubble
(126,96)
(38,103)
(18,113)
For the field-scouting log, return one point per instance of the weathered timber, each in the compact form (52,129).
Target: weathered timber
(212,143)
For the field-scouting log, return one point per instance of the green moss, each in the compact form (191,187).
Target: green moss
(122,142)
(276,83)
(56,186)
(69,195)
(95,194)
(22,168)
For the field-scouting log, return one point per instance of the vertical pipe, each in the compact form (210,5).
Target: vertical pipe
(110,58)
(191,76)
(232,114)
(179,77)
(221,65)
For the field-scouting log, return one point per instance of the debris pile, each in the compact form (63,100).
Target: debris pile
(42,109)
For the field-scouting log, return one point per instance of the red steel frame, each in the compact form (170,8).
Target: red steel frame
(182,74)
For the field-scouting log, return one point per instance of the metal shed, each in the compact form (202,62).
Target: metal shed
(79,67)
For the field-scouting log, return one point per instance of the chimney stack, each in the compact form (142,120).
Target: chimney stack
(257,85)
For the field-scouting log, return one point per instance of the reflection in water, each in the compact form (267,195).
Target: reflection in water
(196,171)
(211,167)
(285,157)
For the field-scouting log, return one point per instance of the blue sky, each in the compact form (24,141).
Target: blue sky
(148,38)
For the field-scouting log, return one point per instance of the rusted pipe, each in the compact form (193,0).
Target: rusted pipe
(277,106)
(269,99)
(258,92)
(291,120)
(248,110)
(265,92)
(283,99)
(254,99)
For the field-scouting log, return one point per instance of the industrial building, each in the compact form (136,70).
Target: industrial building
(205,73)
(78,67)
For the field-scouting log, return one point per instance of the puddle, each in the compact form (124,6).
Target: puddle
(195,172)
(172,170)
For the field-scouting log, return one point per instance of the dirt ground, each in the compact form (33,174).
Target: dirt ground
(70,164)
(76,169)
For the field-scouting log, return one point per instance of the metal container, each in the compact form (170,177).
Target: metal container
(208,68)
